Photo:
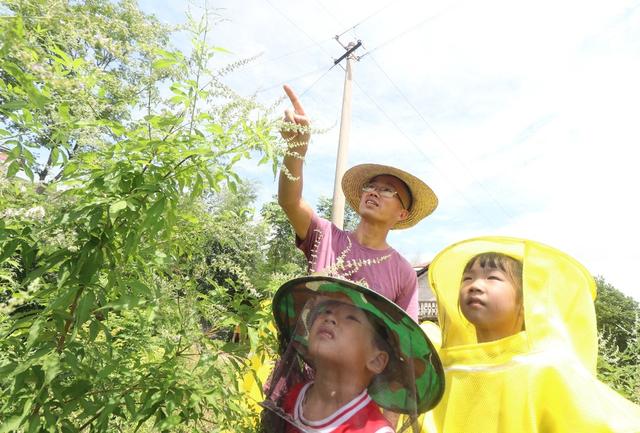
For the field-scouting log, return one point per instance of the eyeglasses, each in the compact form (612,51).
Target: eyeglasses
(384,191)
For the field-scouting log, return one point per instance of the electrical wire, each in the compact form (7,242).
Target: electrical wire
(312,40)
(328,12)
(429,126)
(410,29)
(433,131)
(297,26)
(366,18)
(290,53)
(299,77)
(426,157)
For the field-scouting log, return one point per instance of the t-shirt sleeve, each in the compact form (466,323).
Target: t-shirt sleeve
(408,296)
(317,228)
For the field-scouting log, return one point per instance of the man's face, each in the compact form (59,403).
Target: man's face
(391,209)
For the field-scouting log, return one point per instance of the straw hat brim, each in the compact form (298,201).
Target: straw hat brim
(424,200)
(416,362)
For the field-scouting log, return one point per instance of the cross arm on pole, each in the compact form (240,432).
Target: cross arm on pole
(349,51)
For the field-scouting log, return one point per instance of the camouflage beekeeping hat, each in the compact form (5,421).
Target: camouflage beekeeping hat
(413,381)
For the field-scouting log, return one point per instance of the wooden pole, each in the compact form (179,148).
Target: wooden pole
(337,212)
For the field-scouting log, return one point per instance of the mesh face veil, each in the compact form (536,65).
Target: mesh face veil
(540,379)
(331,328)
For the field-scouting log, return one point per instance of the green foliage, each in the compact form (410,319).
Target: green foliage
(619,334)
(282,253)
(109,270)
(616,313)
(66,65)
(621,368)
(351,218)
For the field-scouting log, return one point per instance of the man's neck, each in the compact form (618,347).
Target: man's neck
(371,235)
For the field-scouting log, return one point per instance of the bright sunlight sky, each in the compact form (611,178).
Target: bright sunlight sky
(522,116)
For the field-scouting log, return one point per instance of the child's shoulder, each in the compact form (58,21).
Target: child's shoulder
(369,419)
(289,401)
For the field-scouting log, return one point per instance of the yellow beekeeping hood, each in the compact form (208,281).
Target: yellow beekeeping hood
(558,294)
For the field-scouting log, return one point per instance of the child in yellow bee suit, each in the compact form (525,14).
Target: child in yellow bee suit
(519,343)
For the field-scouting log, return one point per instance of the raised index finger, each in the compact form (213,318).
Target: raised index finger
(297,106)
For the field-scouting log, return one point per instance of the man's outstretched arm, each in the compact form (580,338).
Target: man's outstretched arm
(297,136)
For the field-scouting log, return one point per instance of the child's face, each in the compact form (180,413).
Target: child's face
(489,301)
(341,333)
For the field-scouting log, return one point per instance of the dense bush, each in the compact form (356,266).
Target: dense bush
(124,260)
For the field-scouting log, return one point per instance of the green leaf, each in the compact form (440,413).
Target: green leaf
(154,212)
(51,367)
(78,388)
(13,105)
(94,328)
(11,424)
(221,50)
(34,332)
(63,112)
(13,169)
(7,367)
(85,306)
(27,171)
(63,58)
(163,64)
(33,424)
(131,405)
(8,249)
(54,156)
(140,289)
(116,207)
(90,267)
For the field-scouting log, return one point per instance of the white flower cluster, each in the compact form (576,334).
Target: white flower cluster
(342,267)
(61,239)
(20,297)
(314,251)
(35,213)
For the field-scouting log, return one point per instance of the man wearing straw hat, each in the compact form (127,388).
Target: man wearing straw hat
(386,198)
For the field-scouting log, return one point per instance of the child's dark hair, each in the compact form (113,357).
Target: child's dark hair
(507,264)
(381,336)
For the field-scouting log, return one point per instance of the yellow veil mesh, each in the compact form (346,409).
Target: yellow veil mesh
(558,294)
(539,380)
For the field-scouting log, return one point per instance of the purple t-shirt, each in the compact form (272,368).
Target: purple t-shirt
(335,252)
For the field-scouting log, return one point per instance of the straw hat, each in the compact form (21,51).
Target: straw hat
(424,200)
(413,381)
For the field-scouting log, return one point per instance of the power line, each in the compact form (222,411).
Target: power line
(421,151)
(312,40)
(410,29)
(297,26)
(290,53)
(393,83)
(367,18)
(328,12)
(315,82)
(299,77)
(433,131)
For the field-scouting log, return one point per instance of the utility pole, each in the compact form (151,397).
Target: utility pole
(337,211)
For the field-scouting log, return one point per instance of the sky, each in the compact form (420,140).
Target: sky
(522,116)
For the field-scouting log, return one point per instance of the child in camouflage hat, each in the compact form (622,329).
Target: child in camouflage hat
(365,353)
